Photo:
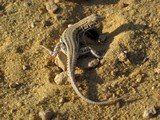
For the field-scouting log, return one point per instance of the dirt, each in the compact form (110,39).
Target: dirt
(130,66)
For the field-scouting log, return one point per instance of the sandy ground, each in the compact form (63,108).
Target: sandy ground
(131,64)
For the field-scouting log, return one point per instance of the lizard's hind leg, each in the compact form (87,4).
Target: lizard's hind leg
(59,46)
(86,50)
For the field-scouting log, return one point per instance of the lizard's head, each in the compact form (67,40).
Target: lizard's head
(91,21)
(95,18)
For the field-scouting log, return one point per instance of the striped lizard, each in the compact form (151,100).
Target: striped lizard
(69,44)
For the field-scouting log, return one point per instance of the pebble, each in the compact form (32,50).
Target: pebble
(61,61)
(61,78)
(114,72)
(51,7)
(32,117)
(139,78)
(46,115)
(134,74)
(15,85)
(157,70)
(93,63)
(63,100)
(19,104)
(87,63)
(56,1)
(149,112)
(24,67)
(122,5)
(122,57)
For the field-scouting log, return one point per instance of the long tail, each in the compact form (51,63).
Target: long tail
(72,79)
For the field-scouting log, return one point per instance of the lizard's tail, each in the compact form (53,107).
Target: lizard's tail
(72,79)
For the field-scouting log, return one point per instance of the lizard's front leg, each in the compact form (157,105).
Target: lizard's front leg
(59,46)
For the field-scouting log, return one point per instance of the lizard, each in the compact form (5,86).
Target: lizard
(69,44)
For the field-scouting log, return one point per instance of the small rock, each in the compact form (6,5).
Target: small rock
(32,25)
(123,5)
(61,61)
(114,72)
(149,112)
(15,85)
(51,7)
(63,100)
(32,117)
(122,57)
(153,87)
(139,78)
(24,67)
(56,1)
(93,63)
(134,74)
(61,78)
(157,70)
(19,104)
(87,63)
(46,115)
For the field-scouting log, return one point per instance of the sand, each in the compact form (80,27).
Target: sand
(130,66)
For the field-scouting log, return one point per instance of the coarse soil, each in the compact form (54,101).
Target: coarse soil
(130,66)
